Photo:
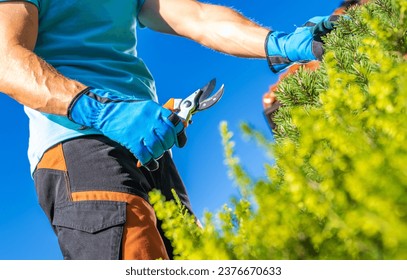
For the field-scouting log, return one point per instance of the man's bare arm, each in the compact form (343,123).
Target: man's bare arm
(23,75)
(219,28)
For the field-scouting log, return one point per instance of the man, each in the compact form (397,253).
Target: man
(93,112)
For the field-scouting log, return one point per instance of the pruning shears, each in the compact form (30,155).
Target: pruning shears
(199,100)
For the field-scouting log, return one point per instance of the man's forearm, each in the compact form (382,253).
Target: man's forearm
(217,27)
(23,75)
(32,82)
(228,31)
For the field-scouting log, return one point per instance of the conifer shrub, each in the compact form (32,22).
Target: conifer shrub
(338,188)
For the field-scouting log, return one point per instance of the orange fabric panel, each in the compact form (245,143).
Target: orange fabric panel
(53,159)
(141,239)
(107,195)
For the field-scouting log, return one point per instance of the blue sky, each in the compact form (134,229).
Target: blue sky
(179,67)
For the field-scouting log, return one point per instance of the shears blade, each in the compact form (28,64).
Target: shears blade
(207,90)
(209,102)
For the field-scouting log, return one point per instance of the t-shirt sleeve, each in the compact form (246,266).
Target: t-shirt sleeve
(35,2)
(139,7)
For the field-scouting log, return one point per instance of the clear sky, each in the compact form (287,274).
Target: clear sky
(179,67)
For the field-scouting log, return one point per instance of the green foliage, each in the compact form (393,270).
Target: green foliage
(338,189)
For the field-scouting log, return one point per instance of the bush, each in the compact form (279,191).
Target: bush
(338,189)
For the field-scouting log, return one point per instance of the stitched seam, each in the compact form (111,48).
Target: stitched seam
(66,176)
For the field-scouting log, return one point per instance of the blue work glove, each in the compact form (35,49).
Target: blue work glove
(303,45)
(142,126)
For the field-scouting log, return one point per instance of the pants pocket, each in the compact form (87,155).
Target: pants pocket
(90,230)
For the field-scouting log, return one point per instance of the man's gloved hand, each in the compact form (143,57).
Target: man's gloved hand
(142,126)
(303,45)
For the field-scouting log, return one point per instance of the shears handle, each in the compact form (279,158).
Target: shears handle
(181,137)
(170,105)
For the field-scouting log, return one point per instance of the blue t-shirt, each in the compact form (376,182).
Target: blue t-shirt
(91,41)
